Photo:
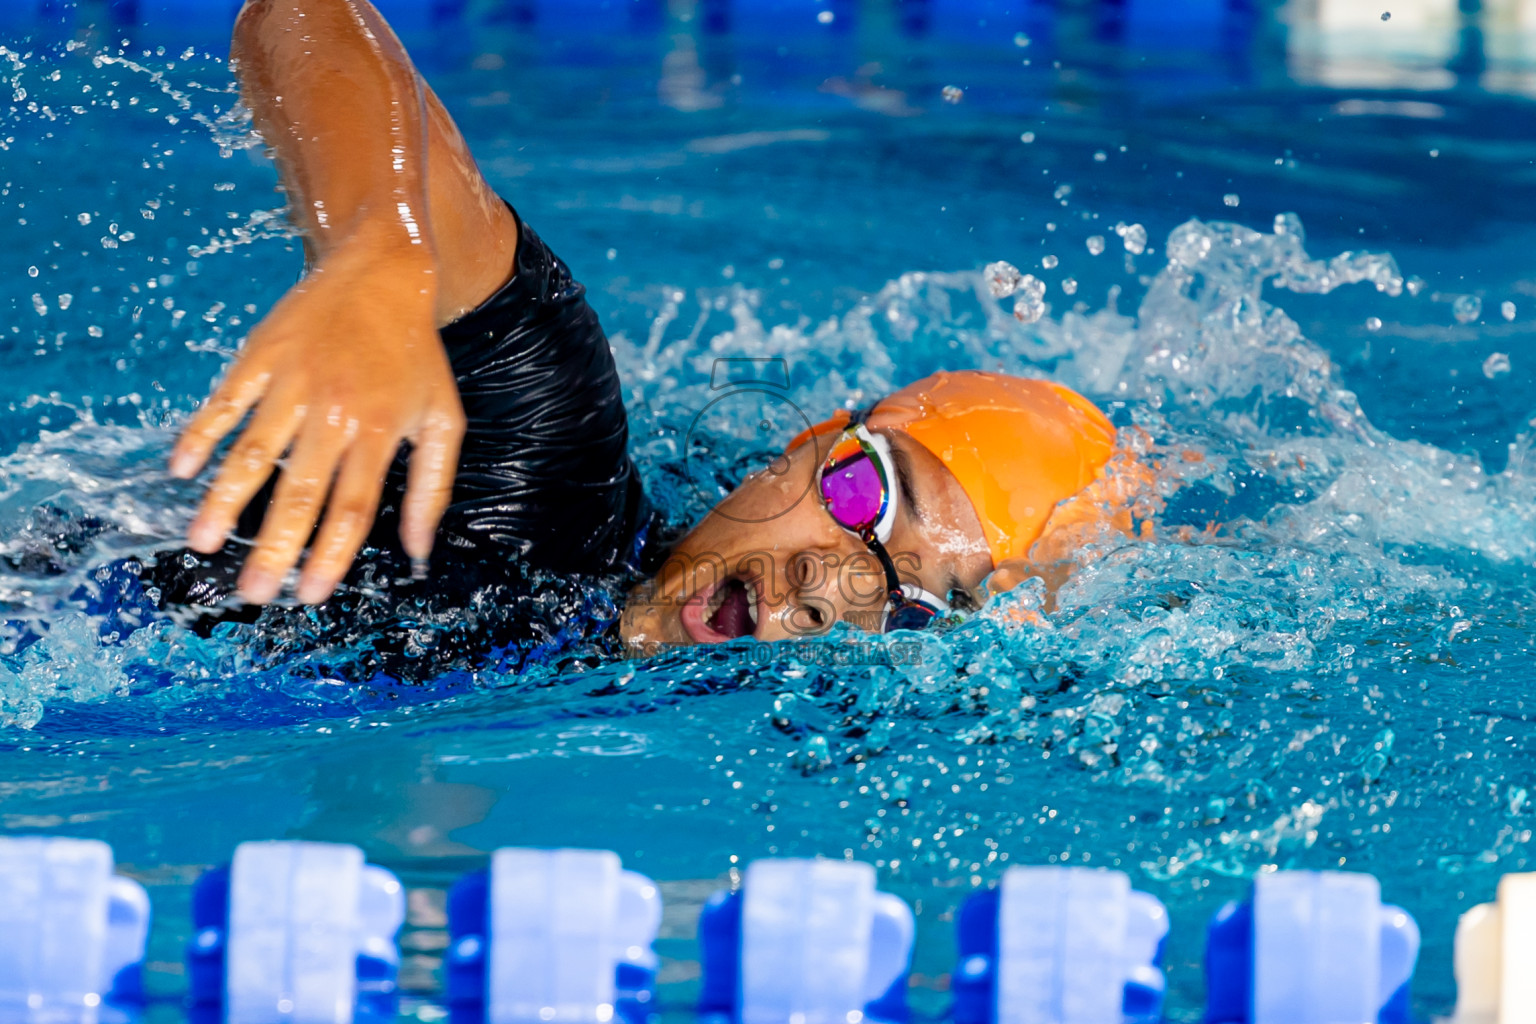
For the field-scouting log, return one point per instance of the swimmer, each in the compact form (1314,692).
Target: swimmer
(437,393)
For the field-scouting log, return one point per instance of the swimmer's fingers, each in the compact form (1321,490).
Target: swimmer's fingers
(348,516)
(242,388)
(429,484)
(245,469)
(290,519)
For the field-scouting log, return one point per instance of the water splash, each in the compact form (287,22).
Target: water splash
(1257,667)
(259,226)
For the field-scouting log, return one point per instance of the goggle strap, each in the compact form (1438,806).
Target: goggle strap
(892,579)
(917,595)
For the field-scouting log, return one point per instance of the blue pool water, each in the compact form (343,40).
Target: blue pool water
(1335,677)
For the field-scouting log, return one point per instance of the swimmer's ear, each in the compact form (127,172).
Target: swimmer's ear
(1007,576)
(1011,573)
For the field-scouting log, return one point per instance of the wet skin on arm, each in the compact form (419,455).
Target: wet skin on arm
(402,235)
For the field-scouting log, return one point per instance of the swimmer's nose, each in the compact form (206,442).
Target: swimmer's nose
(811,608)
(825,586)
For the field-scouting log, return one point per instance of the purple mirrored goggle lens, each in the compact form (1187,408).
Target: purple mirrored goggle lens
(854,493)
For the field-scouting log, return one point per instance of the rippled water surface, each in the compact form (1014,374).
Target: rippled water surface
(1323,660)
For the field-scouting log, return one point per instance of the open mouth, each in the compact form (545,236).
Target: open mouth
(726,611)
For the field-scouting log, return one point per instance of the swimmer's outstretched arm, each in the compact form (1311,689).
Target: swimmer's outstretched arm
(403,235)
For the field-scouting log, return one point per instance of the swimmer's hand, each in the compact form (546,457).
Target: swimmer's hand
(345,367)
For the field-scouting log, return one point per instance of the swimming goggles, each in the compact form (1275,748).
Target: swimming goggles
(857,484)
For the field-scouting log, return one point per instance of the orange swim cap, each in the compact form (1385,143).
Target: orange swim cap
(1018,447)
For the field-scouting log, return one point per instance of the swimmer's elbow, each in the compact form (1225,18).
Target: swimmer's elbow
(265,28)
(256,28)
(250,23)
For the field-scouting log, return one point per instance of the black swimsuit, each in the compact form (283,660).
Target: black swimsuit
(544,475)
(544,478)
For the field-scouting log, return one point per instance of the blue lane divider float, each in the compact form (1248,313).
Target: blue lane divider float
(295,933)
(809,941)
(552,935)
(72,933)
(303,933)
(1055,944)
(1310,947)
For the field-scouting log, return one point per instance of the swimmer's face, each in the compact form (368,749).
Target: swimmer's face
(770,562)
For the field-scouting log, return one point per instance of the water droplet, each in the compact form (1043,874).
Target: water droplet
(1020,39)
(1135,237)
(1289,224)
(1100,157)
(1003,279)
(1467,308)
(1373,323)
(1069,285)
(84,218)
(1434,152)
(65,300)
(825,17)
(1508,310)
(1027,137)
(613,254)
(1414,285)
(1049,262)
(953,94)
(1374,767)
(1096,244)
(1062,191)
(1496,365)
(1231,199)
(31,271)
(1031,302)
